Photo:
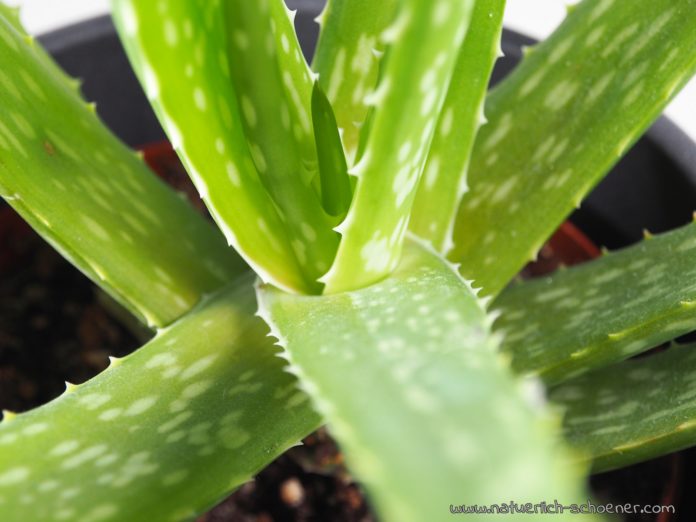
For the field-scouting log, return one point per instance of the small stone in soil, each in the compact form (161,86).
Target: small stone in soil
(292,492)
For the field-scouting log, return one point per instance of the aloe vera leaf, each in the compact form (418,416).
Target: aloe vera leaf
(408,367)
(275,102)
(178,50)
(347,60)
(93,199)
(163,433)
(297,78)
(632,411)
(603,311)
(11,15)
(423,41)
(444,179)
(336,190)
(560,121)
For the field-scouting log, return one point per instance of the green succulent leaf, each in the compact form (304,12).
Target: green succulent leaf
(336,190)
(632,411)
(164,433)
(11,15)
(561,120)
(296,77)
(181,57)
(444,180)
(92,198)
(420,45)
(603,311)
(347,60)
(407,367)
(274,88)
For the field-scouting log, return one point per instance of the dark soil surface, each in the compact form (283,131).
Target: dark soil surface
(308,483)
(54,328)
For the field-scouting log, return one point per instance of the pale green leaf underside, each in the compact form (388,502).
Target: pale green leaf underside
(633,411)
(411,384)
(347,61)
(444,179)
(93,199)
(561,120)
(602,311)
(162,434)
(418,64)
(180,57)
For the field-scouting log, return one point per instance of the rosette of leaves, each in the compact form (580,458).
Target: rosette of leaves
(347,190)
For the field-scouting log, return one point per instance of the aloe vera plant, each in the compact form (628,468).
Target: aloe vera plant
(378,203)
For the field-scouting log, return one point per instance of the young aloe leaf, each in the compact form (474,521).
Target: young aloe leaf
(162,434)
(603,311)
(347,59)
(336,190)
(408,367)
(180,56)
(93,199)
(561,120)
(274,91)
(423,41)
(632,411)
(444,180)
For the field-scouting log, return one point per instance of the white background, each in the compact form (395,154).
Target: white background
(534,17)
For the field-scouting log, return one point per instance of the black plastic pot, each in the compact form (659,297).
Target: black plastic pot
(653,187)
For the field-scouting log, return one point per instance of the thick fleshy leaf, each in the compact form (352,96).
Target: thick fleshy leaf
(274,90)
(92,198)
(179,52)
(11,15)
(633,411)
(560,121)
(336,190)
(347,59)
(603,311)
(297,77)
(444,180)
(163,433)
(411,384)
(422,44)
